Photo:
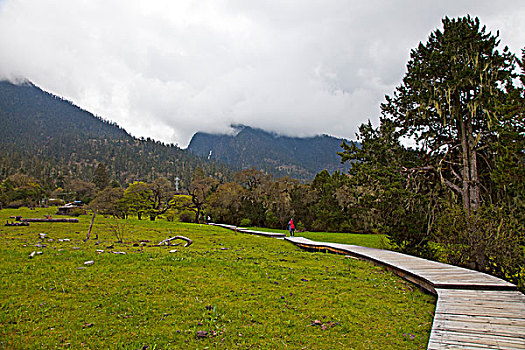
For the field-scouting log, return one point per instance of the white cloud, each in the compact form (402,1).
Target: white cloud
(166,69)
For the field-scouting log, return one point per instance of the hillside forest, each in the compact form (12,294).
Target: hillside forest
(56,142)
(456,195)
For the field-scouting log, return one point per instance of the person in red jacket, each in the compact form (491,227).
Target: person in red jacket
(291,227)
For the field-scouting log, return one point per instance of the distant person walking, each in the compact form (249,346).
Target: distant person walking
(291,227)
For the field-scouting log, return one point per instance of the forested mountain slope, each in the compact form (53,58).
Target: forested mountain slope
(51,139)
(299,158)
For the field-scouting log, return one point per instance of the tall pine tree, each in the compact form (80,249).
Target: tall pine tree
(100,177)
(447,102)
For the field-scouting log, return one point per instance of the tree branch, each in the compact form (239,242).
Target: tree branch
(451,185)
(166,241)
(456,175)
(422,168)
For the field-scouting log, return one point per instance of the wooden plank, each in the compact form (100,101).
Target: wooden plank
(475,298)
(510,297)
(480,311)
(517,331)
(480,319)
(451,272)
(450,344)
(477,311)
(434,268)
(472,284)
(481,339)
(485,294)
(456,277)
(482,292)
(518,307)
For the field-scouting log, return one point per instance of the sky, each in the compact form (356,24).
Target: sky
(166,69)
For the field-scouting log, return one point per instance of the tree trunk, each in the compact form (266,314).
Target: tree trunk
(474,182)
(197,215)
(480,259)
(465,173)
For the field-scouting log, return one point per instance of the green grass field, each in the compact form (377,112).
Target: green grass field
(226,291)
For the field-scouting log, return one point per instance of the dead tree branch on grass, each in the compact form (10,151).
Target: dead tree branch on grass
(167,241)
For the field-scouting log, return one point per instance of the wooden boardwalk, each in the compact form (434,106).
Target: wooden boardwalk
(474,310)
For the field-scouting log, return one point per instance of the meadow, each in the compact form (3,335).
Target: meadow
(227,290)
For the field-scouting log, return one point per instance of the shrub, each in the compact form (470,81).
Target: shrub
(346,226)
(77,212)
(271,220)
(187,216)
(489,240)
(16,204)
(246,222)
(170,215)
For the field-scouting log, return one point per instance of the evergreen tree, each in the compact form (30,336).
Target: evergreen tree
(101,178)
(462,187)
(447,102)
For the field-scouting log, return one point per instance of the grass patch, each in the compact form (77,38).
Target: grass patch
(361,239)
(227,290)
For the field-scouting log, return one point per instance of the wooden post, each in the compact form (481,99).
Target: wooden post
(91,226)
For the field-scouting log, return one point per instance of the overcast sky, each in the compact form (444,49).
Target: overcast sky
(169,68)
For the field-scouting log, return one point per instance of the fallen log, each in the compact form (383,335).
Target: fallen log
(167,241)
(17,224)
(50,220)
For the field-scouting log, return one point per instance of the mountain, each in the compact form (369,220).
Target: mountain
(53,140)
(248,147)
